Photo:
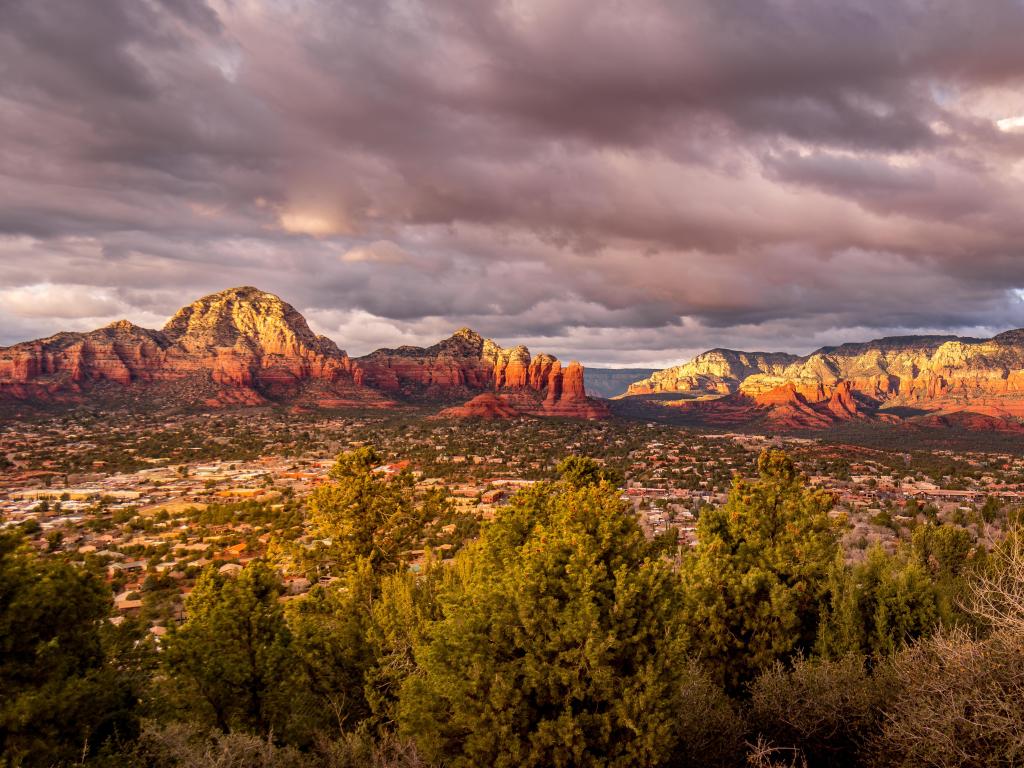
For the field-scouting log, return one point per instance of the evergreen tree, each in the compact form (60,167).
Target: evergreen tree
(60,700)
(557,645)
(874,608)
(405,607)
(363,514)
(754,584)
(581,471)
(231,660)
(945,550)
(330,639)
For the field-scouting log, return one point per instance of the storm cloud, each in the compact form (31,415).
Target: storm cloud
(626,183)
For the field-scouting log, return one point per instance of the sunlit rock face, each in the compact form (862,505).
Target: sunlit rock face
(68,362)
(876,379)
(466,363)
(488,405)
(717,371)
(239,346)
(244,346)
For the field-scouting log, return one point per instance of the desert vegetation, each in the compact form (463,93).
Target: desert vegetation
(558,636)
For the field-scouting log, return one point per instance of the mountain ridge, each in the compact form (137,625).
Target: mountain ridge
(245,346)
(938,375)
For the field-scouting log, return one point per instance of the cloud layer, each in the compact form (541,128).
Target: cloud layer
(627,183)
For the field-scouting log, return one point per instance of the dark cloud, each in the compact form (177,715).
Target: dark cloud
(623,182)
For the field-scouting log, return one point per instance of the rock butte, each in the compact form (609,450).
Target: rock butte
(244,346)
(887,379)
(466,363)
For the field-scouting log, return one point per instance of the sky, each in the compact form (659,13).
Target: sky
(625,183)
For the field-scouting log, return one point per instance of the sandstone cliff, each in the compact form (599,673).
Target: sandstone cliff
(239,346)
(66,363)
(244,346)
(467,364)
(717,371)
(887,378)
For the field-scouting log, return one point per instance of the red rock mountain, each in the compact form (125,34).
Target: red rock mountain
(466,364)
(890,379)
(246,346)
(240,346)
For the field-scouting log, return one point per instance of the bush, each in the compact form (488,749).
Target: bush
(182,745)
(961,703)
(710,729)
(823,711)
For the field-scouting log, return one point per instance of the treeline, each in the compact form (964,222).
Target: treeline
(559,636)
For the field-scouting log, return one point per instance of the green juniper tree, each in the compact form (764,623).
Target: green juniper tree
(367,515)
(557,644)
(231,661)
(753,586)
(60,697)
(874,608)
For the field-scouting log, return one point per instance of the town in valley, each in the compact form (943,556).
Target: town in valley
(151,500)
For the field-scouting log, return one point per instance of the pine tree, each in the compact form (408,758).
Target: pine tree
(557,645)
(231,660)
(366,515)
(874,608)
(60,699)
(753,586)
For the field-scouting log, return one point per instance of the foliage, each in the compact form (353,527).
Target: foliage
(60,699)
(184,745)
(959,699)
(755,582)
(558,637)
(406,605)
(959,703)
(825,711)
(581,471)
(710,727)
(231,659)
(947,551)
(368,515)
(874,608)
(330,628)
(557,644)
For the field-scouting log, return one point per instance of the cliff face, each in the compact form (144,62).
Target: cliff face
(246,338)
(717,371)
(451,368)
(466,364)
(244,346)
(933,374)
(239,346)
(68,362)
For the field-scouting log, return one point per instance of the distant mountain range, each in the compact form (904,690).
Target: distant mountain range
(612,382)
(244,346)
(940,380)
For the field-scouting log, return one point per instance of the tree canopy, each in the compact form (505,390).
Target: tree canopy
(61,698)
(557,644)
(753,587)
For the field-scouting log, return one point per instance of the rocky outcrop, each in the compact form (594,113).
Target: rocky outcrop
(249,339)
(717,371)
(488,405)
(467,364)
(241,346)
(244,346)
(876,379)
(453,368)
(68,363)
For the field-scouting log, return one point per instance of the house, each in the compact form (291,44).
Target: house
(129,566)
(128,603)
